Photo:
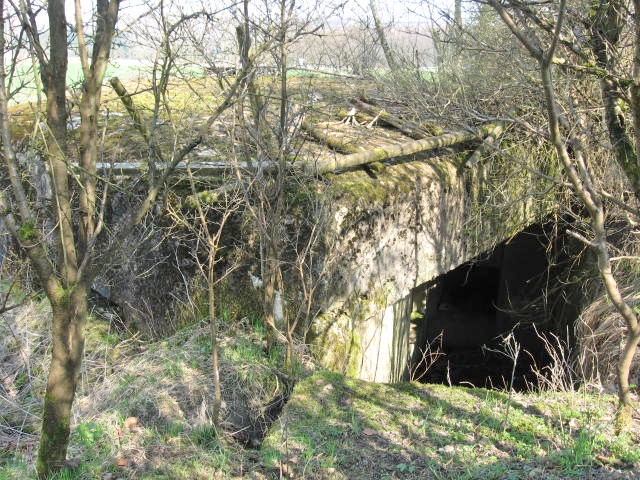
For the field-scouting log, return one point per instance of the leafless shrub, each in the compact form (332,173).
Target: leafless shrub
(600,336)
(429,356)
(510,348)
(558,374)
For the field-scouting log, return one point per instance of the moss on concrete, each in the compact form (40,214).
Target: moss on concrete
(336,334)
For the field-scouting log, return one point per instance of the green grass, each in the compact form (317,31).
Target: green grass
(336,427)
(421,427)
(332,428)
(13,469)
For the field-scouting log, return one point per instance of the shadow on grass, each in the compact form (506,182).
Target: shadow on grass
(336,427)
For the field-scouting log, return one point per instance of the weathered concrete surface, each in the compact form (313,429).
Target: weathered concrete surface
(417,220)
(389,232)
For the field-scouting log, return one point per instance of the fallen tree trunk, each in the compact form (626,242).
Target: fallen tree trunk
(407,127)
(488,141)
(333,143)
(330,163)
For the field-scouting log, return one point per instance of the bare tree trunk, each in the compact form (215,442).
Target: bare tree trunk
(625,415)
(210,238)
(213,326)
(634,89)
(69,316)
(243,34)
(382,38)
(576,170)
(66,278)
(94,69)
(606,30)
(69,309)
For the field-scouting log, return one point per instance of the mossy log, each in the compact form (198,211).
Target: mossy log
(333,143)
(486,143)
(407,127)
(330,163)
(127,101)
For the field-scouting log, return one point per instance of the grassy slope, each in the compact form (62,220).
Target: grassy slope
(333,427)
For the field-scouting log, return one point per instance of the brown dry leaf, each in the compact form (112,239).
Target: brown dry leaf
(123,462)
(131,422)
(369,432)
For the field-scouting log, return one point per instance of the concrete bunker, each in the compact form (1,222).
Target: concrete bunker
(460,318)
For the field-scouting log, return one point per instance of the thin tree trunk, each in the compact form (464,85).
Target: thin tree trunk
(634,89)
(94,69)
(68,304)
(243,34)
(271,276)
(589,196)
(89,106)
(213,325)
(624,416)
(606,32)
(69,316)
(382,38)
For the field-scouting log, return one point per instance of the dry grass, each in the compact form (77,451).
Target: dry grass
(166,386)
(600,335)
(24,363)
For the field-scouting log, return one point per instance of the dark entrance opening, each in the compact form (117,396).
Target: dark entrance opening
(462,318)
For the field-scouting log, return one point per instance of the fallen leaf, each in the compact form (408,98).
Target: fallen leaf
(131,422)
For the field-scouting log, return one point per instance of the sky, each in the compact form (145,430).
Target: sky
(397,12)
(390,10)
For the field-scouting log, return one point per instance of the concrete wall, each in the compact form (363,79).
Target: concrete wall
(393,233)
